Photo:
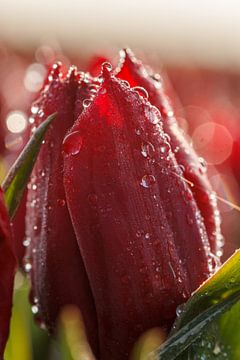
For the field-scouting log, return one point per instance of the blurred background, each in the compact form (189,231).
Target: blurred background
(193,44)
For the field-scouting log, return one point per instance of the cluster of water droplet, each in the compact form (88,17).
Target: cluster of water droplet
(209,346)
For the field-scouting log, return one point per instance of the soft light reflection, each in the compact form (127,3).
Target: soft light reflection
(16,121)
(213,142)
(34,77)
(13,142)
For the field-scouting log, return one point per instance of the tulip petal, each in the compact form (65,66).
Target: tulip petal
(53,258)
(136,74)
(139,230)
(8,266)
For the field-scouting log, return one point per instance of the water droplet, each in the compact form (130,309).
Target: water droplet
(213,262)
(27,267)
(103,90)
(55,71)
(33,129)
(34,309)
(72,72)
(107,66)
(139,233)
(34,109)
(138,131)
(147,236)
(86,103)
(35,227)
(170,113)
(189,219)
(147,181)
(92,199)
(26,242)
(163,149)
(216,349)
(203,165)
(147,149)
(143,269)
(180,309)
(72,143)
(42,325)
(31,120)
(41,113)
(126,83)
(153,115)
(142,92)
(182,168)
(34,187)
(61,202)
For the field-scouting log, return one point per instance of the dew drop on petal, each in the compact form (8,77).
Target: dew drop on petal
(147,236)
(34,109)
(107,66)
(61,202)
(126,83)
(147,149)
(26,242)
(72,143)
(147,181)
(142,92)
(163,149)
(86,103)
(27,266)
(138,233)
(138,131)
(92,199)
(34,309)
(203,165)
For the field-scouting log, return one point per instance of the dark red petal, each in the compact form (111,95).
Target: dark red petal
(139,230)
(58,274)
(7,266)
(194,171)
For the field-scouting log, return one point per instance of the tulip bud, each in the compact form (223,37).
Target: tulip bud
(139,229)
(7,265)
(194,168)
(53,259)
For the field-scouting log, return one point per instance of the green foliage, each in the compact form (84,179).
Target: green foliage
(26,341)
(208,327)
(17,178)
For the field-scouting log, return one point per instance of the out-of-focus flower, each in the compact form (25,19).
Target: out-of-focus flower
(7,265)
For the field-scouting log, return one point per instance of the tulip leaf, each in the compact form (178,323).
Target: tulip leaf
(208,326)
(18,175)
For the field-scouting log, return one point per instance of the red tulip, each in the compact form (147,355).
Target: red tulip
(139,229)
(7,266)
(53,258)
(194,168)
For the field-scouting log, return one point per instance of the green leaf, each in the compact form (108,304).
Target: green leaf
(209,324)
(18,175)
(26,340)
